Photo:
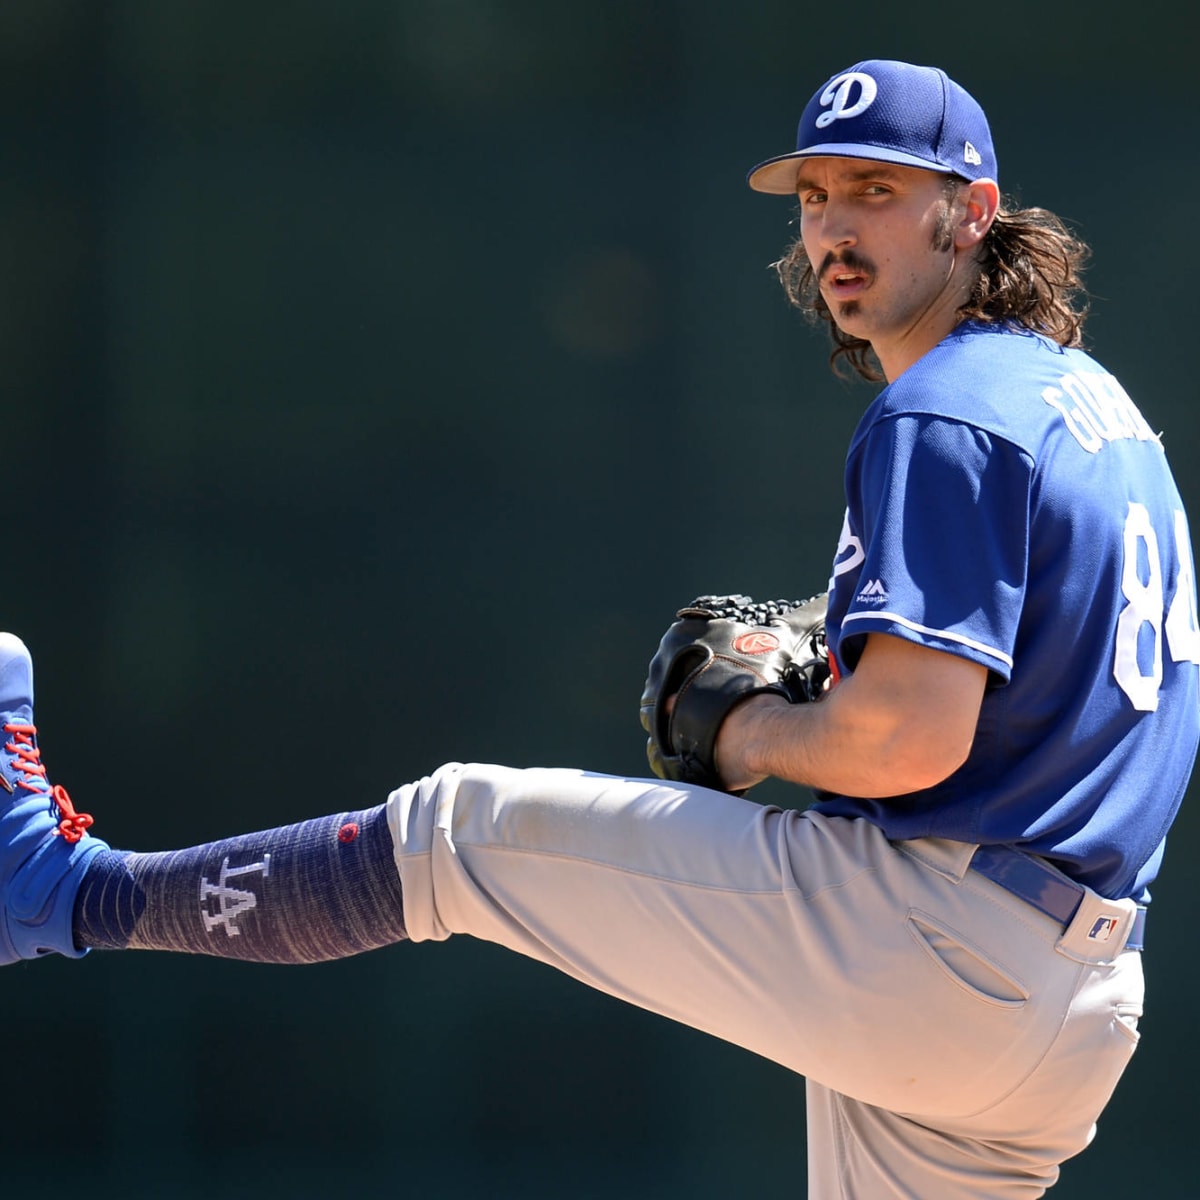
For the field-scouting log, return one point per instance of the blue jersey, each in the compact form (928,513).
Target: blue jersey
(1008,503)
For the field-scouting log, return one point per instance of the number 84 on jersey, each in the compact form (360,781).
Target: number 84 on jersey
(1147,621)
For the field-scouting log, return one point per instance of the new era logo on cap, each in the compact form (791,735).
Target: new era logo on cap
(892,112)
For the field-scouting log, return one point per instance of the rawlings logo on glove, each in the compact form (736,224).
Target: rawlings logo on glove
(720,651)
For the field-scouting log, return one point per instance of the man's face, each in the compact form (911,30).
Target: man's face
(881,241)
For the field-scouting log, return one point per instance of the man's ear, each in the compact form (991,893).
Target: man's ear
(980,203)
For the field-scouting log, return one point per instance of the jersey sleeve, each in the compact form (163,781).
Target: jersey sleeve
(942,509)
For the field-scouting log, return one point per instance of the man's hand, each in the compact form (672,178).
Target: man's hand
(719,652)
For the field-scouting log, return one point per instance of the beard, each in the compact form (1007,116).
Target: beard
(848,260)
(847,310)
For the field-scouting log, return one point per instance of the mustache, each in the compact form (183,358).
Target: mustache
(848,260)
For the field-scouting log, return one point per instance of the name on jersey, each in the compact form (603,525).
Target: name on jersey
(1097,410)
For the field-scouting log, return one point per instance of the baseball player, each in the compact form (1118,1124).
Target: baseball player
(947,943)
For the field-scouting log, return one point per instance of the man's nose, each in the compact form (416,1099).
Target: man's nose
(837,228)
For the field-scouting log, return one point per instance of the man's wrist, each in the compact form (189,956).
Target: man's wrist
(736,751)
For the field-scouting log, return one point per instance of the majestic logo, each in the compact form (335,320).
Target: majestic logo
(1103,929)
(758,642)
(837,96)
(971,155)
(873,593)
(231,902)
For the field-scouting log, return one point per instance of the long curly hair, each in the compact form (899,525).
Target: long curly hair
(1030,274)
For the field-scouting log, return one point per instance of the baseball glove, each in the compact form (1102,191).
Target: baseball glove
(721,650)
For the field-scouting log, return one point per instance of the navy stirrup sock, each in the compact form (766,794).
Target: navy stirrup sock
(323,889)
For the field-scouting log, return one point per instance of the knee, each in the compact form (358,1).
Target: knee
(446,804)
(435,822)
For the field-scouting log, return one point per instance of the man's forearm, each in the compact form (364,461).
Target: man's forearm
(903,721)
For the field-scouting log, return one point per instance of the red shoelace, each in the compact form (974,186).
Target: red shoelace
(27,759)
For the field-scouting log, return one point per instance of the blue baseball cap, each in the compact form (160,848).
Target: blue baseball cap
(889,112)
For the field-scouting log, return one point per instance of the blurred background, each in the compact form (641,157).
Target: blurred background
(379,378)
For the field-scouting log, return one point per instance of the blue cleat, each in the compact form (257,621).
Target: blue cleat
(45,846)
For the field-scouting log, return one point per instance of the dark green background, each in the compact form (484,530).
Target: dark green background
(379,377)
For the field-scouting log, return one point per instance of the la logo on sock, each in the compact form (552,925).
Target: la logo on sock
(231,902)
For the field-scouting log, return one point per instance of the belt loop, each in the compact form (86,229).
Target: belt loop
(1102,929)
(948,858)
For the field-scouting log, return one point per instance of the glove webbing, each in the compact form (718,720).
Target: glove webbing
(739,608)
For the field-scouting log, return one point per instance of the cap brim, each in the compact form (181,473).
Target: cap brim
(777,176)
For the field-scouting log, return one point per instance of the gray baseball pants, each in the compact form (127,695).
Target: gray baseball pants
(956,1042)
